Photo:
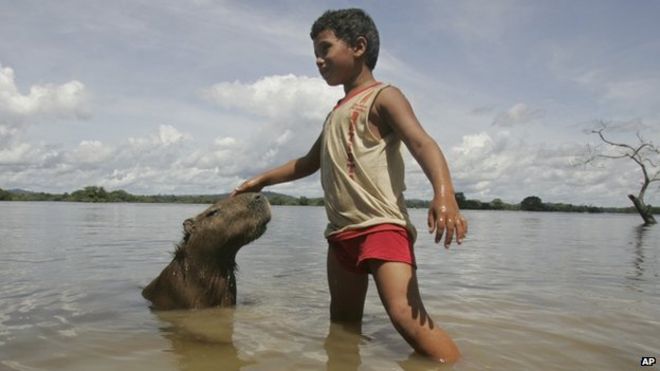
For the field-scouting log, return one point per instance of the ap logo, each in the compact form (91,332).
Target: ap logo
(648,361)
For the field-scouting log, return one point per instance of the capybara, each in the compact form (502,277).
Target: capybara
(201,274)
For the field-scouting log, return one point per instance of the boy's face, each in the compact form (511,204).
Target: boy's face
(335,58)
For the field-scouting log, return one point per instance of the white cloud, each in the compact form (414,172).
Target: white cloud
(519,114)
(287,118)
(278,97)
(167,136)
(43,102)
(91,152)
(503,166)
(7,133)
(288,112)
(15,154)
(66,100)
(226,156)
(225,142)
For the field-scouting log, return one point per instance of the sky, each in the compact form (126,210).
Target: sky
(195,96)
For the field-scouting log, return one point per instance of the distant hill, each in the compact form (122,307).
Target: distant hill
(99,194)
(18,191)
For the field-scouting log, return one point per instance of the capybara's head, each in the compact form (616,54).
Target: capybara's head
(220,231)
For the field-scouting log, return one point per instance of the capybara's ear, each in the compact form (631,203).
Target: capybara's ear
(188,226)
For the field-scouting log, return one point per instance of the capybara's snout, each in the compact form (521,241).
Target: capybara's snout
(259,203)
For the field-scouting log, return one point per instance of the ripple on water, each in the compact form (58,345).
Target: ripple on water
(525,291)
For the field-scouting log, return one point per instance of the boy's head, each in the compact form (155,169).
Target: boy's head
(348,25)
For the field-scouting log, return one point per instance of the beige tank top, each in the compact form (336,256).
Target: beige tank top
(362,176)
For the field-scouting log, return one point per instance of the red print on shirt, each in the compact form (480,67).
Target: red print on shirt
(356,110)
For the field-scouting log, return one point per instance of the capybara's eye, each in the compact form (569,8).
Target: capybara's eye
(213,213)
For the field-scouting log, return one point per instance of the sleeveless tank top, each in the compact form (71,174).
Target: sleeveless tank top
(362,176)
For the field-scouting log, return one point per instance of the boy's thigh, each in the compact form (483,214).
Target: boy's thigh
(396,283)
(348,289)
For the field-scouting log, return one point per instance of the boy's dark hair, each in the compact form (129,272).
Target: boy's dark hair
(348,25)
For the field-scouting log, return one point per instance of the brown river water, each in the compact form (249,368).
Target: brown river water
(526,291)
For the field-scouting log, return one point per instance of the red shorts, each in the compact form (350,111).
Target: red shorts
(387,242)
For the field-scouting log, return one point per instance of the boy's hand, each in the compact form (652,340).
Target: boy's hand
(444,214)
(250,185)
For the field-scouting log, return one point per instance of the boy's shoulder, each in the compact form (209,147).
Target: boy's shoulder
(390,96)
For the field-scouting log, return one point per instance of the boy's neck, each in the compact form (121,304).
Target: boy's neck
(365,77)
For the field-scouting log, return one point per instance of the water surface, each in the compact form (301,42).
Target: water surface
(526,291)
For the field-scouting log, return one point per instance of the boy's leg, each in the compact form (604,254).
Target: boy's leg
(342,346)
(347,291)
(399,292)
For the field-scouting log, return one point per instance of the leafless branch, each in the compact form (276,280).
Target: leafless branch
(656,177)
(643,154)
(602,137)
(653,164)
(614,157)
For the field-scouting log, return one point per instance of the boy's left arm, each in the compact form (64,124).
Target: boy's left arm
(395,110)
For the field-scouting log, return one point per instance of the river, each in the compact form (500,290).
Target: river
(526,291)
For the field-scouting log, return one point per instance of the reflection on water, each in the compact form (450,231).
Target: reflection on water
(202,340)
(342,347)
(526,291)
(638,260)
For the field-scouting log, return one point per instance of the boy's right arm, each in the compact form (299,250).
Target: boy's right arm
(292,170)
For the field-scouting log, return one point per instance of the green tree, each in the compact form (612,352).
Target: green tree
(472,205)
(120,196)
(90,194)
(532,203)
(4,195)
(497,204)
(317,202)
(460,199)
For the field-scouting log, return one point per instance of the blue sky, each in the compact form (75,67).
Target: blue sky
(195,96)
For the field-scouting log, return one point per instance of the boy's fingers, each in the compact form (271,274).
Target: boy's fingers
(243,187)
(461,230)
(439,230)
(450,233)
(438,235)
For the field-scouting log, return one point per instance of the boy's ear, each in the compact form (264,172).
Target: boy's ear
(360,46)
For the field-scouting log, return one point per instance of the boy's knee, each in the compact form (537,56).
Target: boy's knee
(399,310)
(403,314)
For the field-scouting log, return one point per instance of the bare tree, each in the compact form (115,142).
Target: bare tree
(645,154)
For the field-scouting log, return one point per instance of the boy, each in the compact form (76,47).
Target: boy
(362,173)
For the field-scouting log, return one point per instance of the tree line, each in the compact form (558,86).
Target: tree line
(99,194)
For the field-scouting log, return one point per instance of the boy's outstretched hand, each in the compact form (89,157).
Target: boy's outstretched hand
(445,215)
(250,185)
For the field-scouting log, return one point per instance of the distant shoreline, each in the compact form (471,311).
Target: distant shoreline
(100,195)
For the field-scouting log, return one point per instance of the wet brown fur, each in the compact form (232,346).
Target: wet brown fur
(202,272)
